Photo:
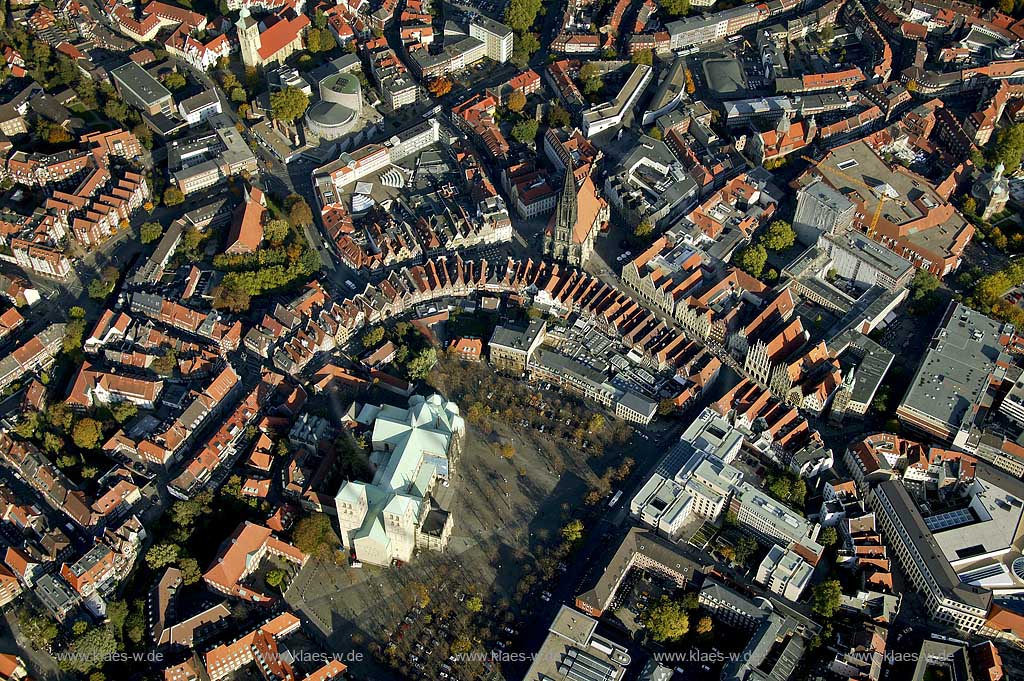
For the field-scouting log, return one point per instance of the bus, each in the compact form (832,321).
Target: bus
(615,499)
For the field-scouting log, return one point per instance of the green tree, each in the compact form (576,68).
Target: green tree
(165,363)
(74,331)
(752,260)
(525,130)
(420,595)
(826,598)
(644,229)
(798,493)
(135,626)
(117,613)
(288,104)
(116,109)
(99,289)
(28,425)
(676,8)
(162,555)
(185,513)
(474,604)
(590,76)
(779,236)
(190,572)
(461,645)
(420,365)
(174,81)
(52,443)
(1008,147)
(523,48)
(41,631)
(666,620)
(643,57)
(745,548)
(60,416)
(923,285)
(124,411)
(373,337)
(558,117)
(828,536)
(231,296)
(239,95)
(150,232)
(315,535)
(173,197)
(275,578)
(276,231)
(90,650)
(87,434)
(520,14)
(299,211)
(573,532)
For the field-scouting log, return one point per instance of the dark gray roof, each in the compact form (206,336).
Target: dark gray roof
(196,102)
(598,590)
(518,339)
(144,86)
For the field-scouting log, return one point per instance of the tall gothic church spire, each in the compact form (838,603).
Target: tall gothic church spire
(566,211)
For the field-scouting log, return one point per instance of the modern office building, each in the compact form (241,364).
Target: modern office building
(206,158)
(952,388)
(948,599)
(141,90)
(610,114)
(496,37)
(694,480)
(784,572)
(574,650)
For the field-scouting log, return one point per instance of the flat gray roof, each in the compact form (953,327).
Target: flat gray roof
(142,85)
(495,27)
(671,86)
(954,375)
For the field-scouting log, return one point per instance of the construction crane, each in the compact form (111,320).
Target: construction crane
(882,196)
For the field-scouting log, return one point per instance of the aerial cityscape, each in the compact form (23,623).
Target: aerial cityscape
(509,340)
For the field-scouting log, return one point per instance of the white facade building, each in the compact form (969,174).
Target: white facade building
(784,572)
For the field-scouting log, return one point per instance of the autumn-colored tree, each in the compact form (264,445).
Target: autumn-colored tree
(439,87)
(516,101)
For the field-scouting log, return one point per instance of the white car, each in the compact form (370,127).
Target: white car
(348,282)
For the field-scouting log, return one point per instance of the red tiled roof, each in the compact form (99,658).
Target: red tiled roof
(281,34)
